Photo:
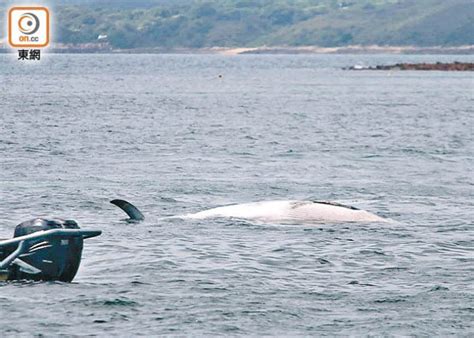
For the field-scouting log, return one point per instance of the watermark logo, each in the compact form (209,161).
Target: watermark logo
(28,27)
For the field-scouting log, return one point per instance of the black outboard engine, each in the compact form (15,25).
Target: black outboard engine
(58,258)
(43,249)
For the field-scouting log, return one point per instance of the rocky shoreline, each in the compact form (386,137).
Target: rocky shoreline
(439,66)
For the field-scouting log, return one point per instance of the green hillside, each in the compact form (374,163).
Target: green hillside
(250,23)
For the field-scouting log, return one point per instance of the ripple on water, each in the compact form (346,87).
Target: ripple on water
(274,127)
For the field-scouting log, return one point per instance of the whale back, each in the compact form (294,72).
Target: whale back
(322,211)
(290,211)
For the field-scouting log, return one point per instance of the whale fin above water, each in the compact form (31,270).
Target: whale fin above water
(131,210)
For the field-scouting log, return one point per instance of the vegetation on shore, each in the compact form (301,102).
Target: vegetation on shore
(250,23)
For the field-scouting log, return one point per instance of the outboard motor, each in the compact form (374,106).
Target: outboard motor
(43,249)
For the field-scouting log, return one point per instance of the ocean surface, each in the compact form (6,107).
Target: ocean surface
(176,134)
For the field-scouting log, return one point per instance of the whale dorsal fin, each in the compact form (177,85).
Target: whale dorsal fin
(337,204)
(129,209)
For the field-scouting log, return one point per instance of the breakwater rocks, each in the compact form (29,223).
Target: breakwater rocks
(454,66)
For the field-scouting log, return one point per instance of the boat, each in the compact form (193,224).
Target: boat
(43,250)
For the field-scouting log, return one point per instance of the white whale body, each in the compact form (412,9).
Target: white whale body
(287,211)
(290,211)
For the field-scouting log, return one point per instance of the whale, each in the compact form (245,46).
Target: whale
(276,211)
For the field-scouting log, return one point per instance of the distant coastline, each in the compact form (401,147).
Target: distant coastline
(438,66)
(106,49)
